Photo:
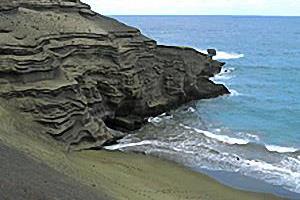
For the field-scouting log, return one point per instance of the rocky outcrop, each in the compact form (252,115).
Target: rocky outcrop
(89,78)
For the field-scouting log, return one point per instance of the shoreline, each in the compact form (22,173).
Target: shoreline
(154,178)
(115,175)
(249,184)
(77,80)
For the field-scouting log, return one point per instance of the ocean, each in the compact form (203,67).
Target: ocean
(252,134)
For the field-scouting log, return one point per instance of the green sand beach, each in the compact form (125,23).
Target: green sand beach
(97,174)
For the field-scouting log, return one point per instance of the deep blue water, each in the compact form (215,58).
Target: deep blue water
(259,123)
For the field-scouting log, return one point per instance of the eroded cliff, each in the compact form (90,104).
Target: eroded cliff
(83,75)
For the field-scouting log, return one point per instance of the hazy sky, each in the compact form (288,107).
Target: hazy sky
(196,7)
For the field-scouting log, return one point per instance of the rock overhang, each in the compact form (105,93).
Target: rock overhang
(81,74)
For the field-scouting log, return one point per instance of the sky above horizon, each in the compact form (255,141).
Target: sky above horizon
(196,7)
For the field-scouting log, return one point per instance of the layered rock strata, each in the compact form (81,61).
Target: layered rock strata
(83,75)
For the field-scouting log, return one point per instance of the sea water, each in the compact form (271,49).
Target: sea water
(255,131)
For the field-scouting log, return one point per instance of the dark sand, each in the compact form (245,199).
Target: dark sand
(22,178)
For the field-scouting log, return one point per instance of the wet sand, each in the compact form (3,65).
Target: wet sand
(101,174)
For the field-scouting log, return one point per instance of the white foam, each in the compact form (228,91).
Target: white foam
(158,119)
(291,163)
(278,174)
(218,130)
(121,146)
(221,138)
(285,173)
(250,136)
(222,55)
(154,119)
(222,77)
(234,93)
(279,149)
(192,110)
(186,127)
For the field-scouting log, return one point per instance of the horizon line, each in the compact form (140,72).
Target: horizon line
(217,15)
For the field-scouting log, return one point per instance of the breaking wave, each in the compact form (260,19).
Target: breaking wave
(228,56)
(169,137)
(279,149)
(222,55)
(234,93)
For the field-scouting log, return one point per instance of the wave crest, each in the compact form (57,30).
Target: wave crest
(279,149)
(201,146)
(222,55)
(221,138)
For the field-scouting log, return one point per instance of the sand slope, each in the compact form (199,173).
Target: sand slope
(105,174)
(22,178)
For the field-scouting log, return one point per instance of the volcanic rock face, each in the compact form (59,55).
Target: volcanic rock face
(82,75)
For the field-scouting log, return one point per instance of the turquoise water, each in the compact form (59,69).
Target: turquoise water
(256,130)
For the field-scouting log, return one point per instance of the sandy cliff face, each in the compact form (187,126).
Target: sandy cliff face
(82,75)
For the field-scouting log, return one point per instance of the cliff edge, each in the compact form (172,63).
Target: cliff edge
(87,78)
